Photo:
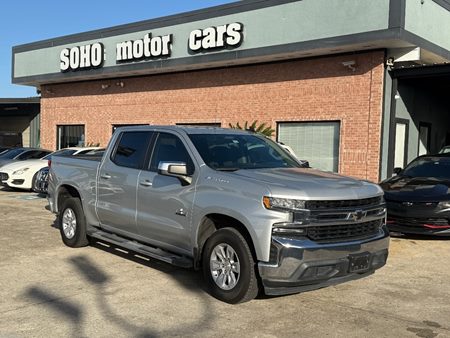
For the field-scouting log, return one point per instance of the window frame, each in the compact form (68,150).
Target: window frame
(58,136)
(147,150)
(404,122)
(148,163)
(339,123)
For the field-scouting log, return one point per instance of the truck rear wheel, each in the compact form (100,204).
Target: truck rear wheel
(229,268)
(72,223)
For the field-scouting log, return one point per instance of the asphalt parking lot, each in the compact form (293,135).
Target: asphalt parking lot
(49,290)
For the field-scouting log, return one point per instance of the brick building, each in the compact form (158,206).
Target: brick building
(356,86)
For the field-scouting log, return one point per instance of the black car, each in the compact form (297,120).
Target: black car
(41,182)
(418,198)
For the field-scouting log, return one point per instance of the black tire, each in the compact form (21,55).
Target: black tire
(33,183)
(245,287)
(73,234)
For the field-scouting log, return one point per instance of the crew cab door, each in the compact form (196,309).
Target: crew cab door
(117,181)
(164,203)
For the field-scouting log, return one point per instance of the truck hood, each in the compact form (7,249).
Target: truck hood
(310,184)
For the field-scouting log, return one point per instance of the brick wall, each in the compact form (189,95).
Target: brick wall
(302,90)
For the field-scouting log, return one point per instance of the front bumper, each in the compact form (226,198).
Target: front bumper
(299,265)
(3,178)
(424,218)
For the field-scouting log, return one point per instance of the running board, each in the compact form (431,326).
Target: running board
(143,249)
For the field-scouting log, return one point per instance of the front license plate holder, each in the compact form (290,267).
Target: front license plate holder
(359,262)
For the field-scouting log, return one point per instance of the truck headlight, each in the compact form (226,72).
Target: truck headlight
(20,171)
(286,204)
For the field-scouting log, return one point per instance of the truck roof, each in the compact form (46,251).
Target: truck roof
(188,129)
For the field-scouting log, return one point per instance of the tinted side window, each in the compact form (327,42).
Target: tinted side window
(169,148)
(31,154)
(11,153)
(40,154)
(131,150)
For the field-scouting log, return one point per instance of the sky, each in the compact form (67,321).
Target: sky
(25,21)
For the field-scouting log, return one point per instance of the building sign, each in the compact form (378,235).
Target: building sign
(82,57)
(200,40)
(148,47)
(216,37)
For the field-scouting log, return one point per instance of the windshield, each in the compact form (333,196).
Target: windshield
(234,152)
(438,167)
(11,153)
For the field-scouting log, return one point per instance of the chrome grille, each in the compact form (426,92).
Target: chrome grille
(4,177)
(329,221)
(317,205)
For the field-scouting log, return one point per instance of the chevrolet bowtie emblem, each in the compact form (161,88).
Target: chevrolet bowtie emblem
(357,215)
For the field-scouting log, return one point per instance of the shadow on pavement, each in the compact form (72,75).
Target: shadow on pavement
(98,281)
(66,309)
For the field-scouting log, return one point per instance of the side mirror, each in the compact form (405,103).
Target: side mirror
(397,170)
(175,169)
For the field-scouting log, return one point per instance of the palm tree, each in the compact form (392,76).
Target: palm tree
(261,129)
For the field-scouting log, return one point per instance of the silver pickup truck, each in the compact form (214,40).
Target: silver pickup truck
(233,203)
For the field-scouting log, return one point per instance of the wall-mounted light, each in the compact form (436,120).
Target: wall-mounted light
(351,64)
(120,84)
(390,62)
(105,86)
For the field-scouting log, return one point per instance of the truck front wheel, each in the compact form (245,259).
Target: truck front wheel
(229,268)
(72,224)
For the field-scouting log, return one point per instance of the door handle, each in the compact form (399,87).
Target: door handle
(146,183)
(105,176)
(180,212)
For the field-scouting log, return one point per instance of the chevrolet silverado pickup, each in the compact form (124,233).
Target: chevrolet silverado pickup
(232,203)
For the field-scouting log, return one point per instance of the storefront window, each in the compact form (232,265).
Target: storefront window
(70,136)
(316,142)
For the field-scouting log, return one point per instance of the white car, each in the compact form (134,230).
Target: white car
(21,175)
(445,150)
